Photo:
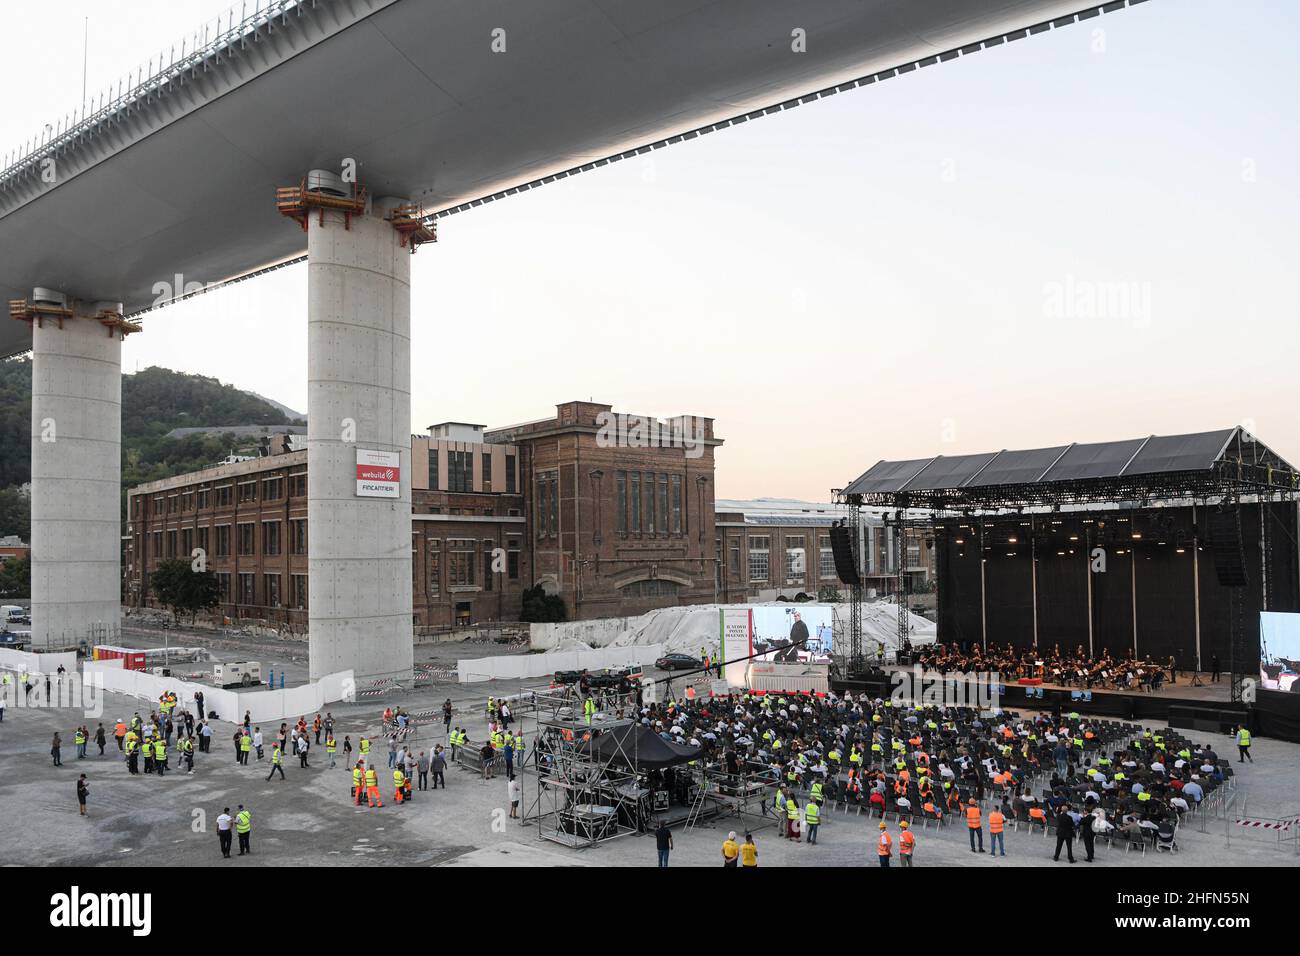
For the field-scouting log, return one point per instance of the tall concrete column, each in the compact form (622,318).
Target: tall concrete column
(358,400)
(76,478)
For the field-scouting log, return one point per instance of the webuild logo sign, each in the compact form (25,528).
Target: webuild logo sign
(379,474)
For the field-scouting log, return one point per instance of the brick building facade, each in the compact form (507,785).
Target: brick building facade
(468,541)
(620,508)
(778,547)
(614,513)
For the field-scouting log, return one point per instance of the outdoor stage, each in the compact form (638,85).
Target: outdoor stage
(1208,707)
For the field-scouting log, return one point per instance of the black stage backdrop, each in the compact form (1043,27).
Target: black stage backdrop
(1149,580)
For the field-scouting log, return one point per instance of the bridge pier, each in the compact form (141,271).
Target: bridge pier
(76,473)
(359,423)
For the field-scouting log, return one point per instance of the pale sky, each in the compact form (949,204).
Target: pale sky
(1070,238)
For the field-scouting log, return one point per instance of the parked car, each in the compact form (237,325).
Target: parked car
(675,662)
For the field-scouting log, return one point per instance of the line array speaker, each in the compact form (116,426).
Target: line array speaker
(1226,546)
(846,565)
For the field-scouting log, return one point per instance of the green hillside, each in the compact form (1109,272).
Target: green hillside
(154,402)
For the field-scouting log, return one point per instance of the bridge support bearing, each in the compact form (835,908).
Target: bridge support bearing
(76,479)
(358,401)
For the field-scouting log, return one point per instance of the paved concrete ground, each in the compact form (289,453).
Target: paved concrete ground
(308,818)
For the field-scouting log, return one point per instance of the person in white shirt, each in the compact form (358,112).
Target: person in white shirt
(257,743)
(514,791)
(223,832)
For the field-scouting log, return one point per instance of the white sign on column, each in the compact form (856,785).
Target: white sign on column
(379,474)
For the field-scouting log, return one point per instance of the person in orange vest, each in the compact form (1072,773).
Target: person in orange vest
(119,731)
(996,840)
(906,844)
(885,848)
(974,824)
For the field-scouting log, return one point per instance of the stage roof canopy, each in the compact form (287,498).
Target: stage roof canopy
(637,747)
(1227,461)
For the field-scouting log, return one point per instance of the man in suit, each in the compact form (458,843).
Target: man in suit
(1064,833)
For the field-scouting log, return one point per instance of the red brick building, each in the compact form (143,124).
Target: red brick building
(612,512)
(620,508)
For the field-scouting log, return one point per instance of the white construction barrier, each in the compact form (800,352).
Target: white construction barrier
(262,706)
(31,663)
(543,665)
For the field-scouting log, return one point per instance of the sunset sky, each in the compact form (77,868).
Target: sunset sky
(1072,238)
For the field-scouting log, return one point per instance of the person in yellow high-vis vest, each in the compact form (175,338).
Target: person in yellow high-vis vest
(244,827)
(358,782)
(1243,745)
(372,788)
(277,762)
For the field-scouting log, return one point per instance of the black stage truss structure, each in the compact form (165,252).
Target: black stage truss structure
(1213,470)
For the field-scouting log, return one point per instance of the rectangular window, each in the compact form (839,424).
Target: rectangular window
(433,468)
(555,506)
(460,562)
(620,515)
(298,536)
(171,544)
(488,569)
(487,471)
(299,596)
(272,489)
(663,503)
(223,586)
(247,588)
(187,542)
(543,511)
(247,538)
(677,504)
(826,556)
(733,558)
(435,566)
(795,559)
(759,570)
(247,491)
(202,498)
(510,475)
(223,496)
(636,502)
(223,540)
(512,560)
(203,539)
(270,537)
(651,525)
(298,485)
(271,587)
(460,468)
